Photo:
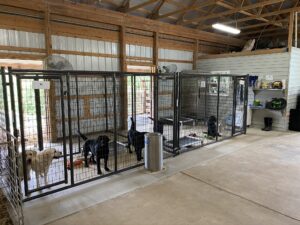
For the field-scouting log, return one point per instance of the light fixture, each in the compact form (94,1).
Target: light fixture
(225,28)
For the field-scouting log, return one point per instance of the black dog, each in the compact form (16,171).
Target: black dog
(212,129)
(136,139)
(98,148)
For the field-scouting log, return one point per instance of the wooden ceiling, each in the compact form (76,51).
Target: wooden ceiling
(256,18)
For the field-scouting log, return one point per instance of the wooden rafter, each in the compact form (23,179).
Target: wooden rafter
(181,17)
(269,14)
(125,6)
(232,11)
(155,11)
(188,8)
(244,12)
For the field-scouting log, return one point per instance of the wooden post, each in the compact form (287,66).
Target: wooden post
(123,68)
(291,30)
(196,52)
(48,41)
(122,43)
(155,50)
(296,29)
(51,112)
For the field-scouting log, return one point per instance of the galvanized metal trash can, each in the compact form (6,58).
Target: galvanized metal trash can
(153,153)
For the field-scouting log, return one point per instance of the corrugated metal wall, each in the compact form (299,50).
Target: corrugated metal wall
(170,54)
(22,39)
(88,62)
(276,65)
(144,52)
(15,38)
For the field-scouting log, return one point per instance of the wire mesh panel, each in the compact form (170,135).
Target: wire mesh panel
(241,102)
(43,147)
(226,107)
(10,176)
(166,104)
(198,110)
(207,108)
(92,122)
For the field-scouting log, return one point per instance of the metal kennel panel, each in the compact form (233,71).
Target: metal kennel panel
(35,104)
(198,102)
(166,97)
(226,106)
(92,111)
(11,205)
(209,107)
(239,123)
(132,93)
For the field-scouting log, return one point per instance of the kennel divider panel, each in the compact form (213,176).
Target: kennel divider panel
(5,120)
(166,107)
(53,174)
(10,182)
(94,107)
(226,106)
(240,110)
(191,111)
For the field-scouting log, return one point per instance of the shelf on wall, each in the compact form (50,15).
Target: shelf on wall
(264,108)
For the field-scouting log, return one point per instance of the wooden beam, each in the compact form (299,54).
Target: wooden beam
(232,11)
(123,68)
(155,50)
(195,56)
(296,29)
(24,56)
(125,6)
(246,27)
(48,34)
(291,31)
(247,53)
(261,31)
(122,43)
(155,11)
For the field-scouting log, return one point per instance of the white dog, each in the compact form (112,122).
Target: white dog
(40,162)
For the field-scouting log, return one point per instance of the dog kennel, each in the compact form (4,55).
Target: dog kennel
(48,109)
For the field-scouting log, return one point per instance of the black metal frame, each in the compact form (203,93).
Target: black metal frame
(206,77)
(64,76)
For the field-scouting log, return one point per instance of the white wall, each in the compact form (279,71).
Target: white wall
(276,65)
(294,83)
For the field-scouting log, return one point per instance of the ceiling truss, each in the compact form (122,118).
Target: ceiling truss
(252,17)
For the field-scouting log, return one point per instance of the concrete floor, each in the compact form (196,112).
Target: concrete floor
(251,179)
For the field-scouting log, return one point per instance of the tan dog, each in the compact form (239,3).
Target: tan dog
(20,166)
(40,162)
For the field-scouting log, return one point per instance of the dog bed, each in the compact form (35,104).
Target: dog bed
(186,142)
